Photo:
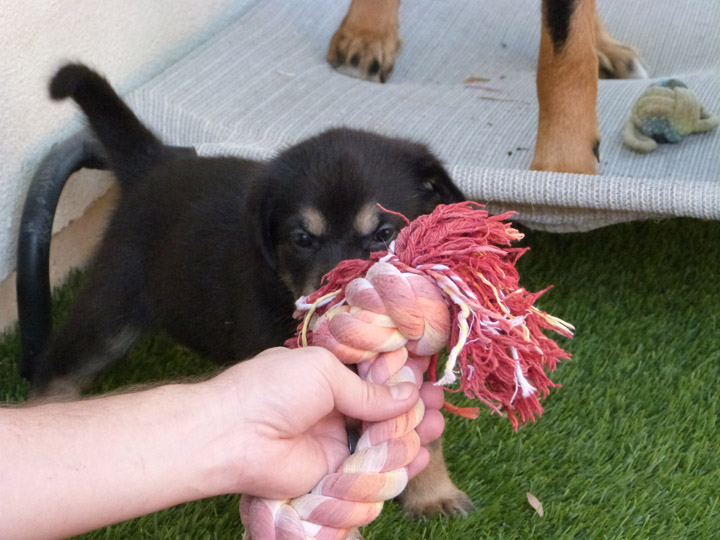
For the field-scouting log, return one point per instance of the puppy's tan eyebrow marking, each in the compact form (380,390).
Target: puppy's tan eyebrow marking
(313,221)
(367,220)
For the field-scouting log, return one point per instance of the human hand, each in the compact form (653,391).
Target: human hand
(285,411)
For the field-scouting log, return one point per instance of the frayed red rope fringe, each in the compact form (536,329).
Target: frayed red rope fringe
(506,354)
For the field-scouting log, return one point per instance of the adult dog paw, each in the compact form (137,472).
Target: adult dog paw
(366,45)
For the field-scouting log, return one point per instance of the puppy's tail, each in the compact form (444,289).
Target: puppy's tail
(131,147)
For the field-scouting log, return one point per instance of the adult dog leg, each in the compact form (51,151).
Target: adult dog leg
(366,43)
(616,60)
(568,138)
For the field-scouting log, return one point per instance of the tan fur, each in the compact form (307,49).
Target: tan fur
(567,83)
(60,390)
(432,492)
(368,32)
(354,535)
(313,221)
(367,220)
(310,284)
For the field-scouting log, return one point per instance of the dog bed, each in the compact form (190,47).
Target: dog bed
(464,84)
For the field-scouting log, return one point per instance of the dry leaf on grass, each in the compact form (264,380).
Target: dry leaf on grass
(537,505)
(471,80)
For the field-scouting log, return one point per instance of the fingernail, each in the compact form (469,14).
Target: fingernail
(401,391)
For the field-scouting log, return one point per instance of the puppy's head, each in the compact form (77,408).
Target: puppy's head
(316,204)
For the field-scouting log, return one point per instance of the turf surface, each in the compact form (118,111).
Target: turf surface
(628,448)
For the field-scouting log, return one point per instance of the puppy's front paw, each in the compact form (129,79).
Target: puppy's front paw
(365,48)
(423,497)
(448,502)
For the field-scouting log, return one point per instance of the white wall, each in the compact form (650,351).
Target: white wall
(129,41)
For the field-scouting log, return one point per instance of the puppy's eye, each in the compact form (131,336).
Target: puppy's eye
(301,239)
(384,235)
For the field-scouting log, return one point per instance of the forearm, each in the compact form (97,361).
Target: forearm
(271,426)
(67,468)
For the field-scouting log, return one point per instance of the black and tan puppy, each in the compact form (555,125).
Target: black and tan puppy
(215,250)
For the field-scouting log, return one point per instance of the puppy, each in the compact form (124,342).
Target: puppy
(214,251)
(575,48)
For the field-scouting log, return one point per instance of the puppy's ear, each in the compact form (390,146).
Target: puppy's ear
(261,211)
(435,179)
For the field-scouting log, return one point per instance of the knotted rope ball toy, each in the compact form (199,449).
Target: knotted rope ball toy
(666,112)
(450,281)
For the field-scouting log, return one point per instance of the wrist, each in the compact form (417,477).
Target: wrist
(220,418)
(183,450)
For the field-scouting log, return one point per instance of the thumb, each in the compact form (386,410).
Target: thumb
(370,401)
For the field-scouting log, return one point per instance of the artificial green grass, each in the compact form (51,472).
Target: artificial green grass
(628,448)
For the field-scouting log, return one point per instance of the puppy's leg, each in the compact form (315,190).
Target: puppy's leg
(616,60)
(366,43)
(567,80)
(432,492)
(109,316)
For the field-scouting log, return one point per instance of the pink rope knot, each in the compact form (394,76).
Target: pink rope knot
(450,280)
(390,321)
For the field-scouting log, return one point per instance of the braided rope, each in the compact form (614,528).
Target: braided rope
(447,282)
(390,321)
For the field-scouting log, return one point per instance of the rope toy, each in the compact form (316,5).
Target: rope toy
(666,112)
(449,280)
